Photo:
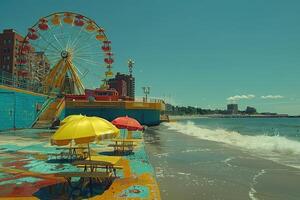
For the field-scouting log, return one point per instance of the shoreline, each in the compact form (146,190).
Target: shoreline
(184,117)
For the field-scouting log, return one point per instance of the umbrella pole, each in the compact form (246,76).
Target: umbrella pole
(123,145)
(70,151)
(89,151)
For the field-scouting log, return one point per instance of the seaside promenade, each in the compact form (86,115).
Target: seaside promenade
(27,170)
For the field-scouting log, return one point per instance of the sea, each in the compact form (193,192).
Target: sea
(226,158)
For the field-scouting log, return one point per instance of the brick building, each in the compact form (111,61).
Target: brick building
(9,47)
(124,84)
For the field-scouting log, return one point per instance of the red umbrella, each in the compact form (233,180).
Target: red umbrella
(127,123)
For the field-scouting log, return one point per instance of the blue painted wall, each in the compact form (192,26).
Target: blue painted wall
(145,117)
(17,109)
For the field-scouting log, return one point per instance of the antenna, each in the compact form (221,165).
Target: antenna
(130,66)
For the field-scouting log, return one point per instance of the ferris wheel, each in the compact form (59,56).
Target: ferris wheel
(66,47)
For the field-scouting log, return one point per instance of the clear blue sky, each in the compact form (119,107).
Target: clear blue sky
(195,52)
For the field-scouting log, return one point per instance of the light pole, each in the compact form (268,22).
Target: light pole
(130,65)
(146,91)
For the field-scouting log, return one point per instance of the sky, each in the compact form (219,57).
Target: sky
(203,53)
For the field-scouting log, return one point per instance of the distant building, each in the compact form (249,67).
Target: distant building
(119,85)
(250,110)
(232,108)
(124,84)
(10,42)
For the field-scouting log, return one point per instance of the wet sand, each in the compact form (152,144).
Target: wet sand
(190,168)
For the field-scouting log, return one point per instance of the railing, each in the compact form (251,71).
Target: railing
(149,100)
(156,100)
(60,106)
(45,105)
(9,79)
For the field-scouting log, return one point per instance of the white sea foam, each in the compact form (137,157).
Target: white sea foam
(227,161)
(194,150)
(183,173)
(268,146)
(159,155)
(252,191)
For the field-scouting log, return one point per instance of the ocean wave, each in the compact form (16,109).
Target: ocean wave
(262,144)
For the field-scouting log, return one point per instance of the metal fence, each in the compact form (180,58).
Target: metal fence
(9,79)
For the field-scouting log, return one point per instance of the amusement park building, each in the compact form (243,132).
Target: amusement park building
(118,84)
(39,66)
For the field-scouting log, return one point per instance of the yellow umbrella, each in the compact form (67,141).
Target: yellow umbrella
(70,118)
(108,129)
(84,130)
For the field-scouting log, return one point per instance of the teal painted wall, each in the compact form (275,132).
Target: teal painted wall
(145,117)
(18,110)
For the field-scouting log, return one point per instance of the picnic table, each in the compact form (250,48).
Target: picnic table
(90,173)
(86,178)
(71,152)
(104,162)
(121,145)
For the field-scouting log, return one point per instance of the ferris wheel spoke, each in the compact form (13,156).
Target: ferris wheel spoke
(90,54)
(44,48)
(77,37)
(54,36)
(50,44)
(78,40)
(86,41)
(83,35)
(88,61)
(45,40)
(85,53)
(68,43)
(84,74)
(83,48)
(96,56)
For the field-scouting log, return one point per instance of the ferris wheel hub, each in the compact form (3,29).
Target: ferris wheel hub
(64,54)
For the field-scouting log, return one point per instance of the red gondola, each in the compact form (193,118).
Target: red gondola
(32,34)
(106,48)
(43,24)
(78,20)
(108,60)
